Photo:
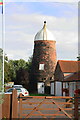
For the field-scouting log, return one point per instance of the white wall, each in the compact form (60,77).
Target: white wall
(58,89)
(52,88)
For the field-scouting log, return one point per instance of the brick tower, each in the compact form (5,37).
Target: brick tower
(44,58)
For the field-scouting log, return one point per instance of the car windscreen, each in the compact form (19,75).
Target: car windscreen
(10,90)
(18,90)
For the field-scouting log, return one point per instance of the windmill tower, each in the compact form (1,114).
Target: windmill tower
(44,58)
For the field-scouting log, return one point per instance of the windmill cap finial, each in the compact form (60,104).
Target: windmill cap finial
(44,34)
(44,21)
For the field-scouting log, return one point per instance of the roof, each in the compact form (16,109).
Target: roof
(73,77)
(69,66)
(44,34)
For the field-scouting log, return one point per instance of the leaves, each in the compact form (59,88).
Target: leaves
(15,70)
(12,66)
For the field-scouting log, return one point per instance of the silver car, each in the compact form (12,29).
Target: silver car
(19,90)
(17,86)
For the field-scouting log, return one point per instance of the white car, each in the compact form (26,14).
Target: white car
(19,90)
(18,86)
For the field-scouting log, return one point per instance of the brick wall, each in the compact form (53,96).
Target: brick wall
(44,52)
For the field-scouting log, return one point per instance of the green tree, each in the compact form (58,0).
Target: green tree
(22,77)
(30,63)
(7,72)
(22,74)
(15,65)
(11,68)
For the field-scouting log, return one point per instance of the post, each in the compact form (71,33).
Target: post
(20,106)
(6,105)
(76,114)
(14,104)
(0,111)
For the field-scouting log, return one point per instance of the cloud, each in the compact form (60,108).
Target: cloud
(68,37)
(0,31)
(19,54)
(66,45)
(26,22)
(21,29)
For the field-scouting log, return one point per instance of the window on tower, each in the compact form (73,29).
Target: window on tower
(41,66)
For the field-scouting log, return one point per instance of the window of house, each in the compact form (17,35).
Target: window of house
(50,78)
(43,78)
(41,66)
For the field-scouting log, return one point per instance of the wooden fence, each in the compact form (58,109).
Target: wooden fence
(9,106)
(40,106)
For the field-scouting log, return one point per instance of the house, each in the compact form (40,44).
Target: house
(65,77)
(73,82)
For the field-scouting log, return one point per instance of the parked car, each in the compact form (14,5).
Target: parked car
(19,90)
(17,86)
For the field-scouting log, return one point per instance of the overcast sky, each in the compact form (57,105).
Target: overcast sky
(24,19)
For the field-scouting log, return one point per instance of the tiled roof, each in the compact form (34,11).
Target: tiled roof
(69,66)
(73,77)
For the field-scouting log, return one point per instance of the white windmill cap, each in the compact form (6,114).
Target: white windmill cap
(44,34)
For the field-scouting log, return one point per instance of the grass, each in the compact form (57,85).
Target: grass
(36,94)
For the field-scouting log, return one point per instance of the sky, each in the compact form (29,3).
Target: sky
(24,19)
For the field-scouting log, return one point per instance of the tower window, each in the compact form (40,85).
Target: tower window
(41,66)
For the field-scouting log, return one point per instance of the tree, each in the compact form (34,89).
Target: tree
(30,63)
(22,77)
(17,71)
(7,76)
(10,68)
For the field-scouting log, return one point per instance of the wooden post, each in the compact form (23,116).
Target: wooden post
(14,104)
(6,106)
(0,111)
(76,114)
(20,106)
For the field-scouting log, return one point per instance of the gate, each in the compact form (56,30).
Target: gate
(41,107)
(45,107)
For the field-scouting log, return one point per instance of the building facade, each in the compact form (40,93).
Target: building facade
(67,78)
